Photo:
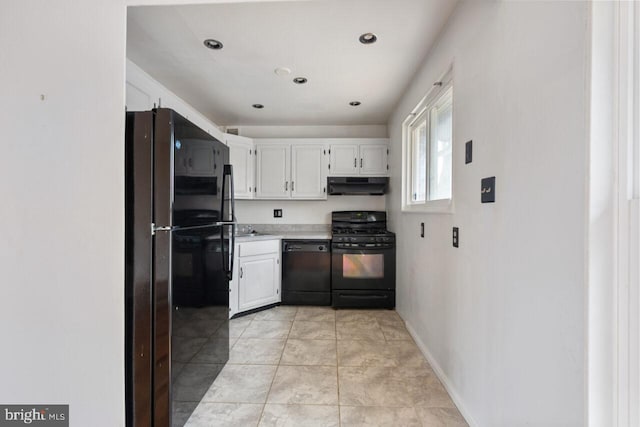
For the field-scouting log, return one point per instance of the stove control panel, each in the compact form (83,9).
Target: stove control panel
(359,241)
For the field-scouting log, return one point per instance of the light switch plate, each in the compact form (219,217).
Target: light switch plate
(277,213)
(456,237)
(468,152)
(488,190)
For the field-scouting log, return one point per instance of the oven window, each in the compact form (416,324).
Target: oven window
(359,266)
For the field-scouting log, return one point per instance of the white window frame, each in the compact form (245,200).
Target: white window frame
(444,84)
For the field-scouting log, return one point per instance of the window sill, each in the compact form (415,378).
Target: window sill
(431,207)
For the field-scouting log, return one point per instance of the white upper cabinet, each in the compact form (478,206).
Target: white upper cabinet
(308,180)
(295,169)
(273,174)
(352,157)
(242,158)
(374,159)
(344,159)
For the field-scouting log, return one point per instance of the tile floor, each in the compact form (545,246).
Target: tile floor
(314,366)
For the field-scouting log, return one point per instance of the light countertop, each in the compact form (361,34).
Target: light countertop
(289,235)
(306,235)
(249,238)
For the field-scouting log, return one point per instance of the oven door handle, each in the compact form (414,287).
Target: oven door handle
(360,296)
(357,250)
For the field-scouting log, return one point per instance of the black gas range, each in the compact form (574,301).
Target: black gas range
(363,272)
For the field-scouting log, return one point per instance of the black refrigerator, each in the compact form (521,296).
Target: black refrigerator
(180,227)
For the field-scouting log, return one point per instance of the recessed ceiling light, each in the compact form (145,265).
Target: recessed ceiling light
(213,44)
(354,103)
(300,80)
(282,71)
(368,38)
(258,106)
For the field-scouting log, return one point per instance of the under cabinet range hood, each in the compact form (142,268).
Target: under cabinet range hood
(357,185)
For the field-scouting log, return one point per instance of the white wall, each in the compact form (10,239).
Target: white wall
(503,317)
(362,131)
(602,219)
(304,212)
(143,92)
(62,215)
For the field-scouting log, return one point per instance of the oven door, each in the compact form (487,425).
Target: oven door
(363,268)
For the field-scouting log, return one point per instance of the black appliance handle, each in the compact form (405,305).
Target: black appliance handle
(355,250)
(228,171)
(359,296)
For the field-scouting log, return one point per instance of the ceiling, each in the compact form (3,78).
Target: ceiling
(316,39)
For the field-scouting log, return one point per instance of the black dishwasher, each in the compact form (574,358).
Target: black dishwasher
(306,272)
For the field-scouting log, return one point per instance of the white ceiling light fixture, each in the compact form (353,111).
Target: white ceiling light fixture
(355,103)
(282,71)
(213,44)
(300,80)
(368,38)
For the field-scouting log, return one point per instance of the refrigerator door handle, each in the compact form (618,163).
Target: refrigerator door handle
(233,219)
(228,171)
(232,249)
(155,228)
(228,264)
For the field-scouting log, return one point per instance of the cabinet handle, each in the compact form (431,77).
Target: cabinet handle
(286,186)
(292,182)
(355,162)
(241,272)
(324,189)
(360,162)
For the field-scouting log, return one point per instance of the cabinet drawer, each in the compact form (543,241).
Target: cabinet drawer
(258,248)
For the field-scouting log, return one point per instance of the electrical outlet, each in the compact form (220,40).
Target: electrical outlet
(456,237)
(277,213)
(468,152)
(422,230)
(488,190)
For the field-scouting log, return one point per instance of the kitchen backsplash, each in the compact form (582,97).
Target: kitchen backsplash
(278,228)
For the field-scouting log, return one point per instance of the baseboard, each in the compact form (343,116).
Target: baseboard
(442,377)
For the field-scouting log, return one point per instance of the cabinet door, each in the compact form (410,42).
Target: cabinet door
(241,156)
(344,159)
(258,281)
(272,171)
(374,159)
(201,161)
(308,180)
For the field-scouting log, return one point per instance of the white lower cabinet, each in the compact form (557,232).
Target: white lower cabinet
(256,275)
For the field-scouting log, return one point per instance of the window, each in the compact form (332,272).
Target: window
(428,143)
